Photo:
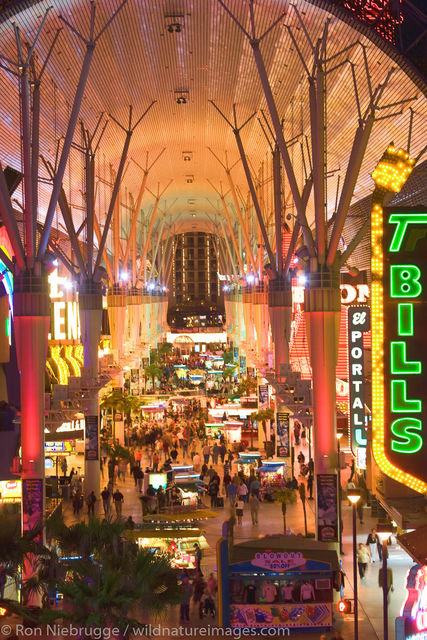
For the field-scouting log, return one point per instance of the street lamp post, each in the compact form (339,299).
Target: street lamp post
(354,496)
(384,532)
(339,436)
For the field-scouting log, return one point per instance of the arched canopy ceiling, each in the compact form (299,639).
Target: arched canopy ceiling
(139,60)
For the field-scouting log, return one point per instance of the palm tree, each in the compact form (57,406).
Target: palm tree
(245,387)
(262,415)
(229,372)
(153,371)
(110,582)
(165,349)
(98,537)
(302,495)
(284,497)
(15,550)
(228,357)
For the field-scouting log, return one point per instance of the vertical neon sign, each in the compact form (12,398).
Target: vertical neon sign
(399,343)
(359,321)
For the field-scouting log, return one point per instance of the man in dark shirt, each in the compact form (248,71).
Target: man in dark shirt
(118,502)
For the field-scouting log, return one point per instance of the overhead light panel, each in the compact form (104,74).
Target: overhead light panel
(189,179)
(187,156)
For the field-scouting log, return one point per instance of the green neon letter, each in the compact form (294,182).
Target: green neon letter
(405,319)
(399,401)
(402,220)
(404,281)
(409,442)
(398,361)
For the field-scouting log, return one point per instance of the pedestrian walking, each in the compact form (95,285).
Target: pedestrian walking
(254,486)
(232,491)
(240,505)
(187,590)
(359,508)
(254,506)
(390,586)
(90,501)
(139,478)
(310,485)
(363,557)
(156,461)
(198,555)
(118,502)
(77,503)
(206,453)
(215,453)
(373,542)
(242,491)
(106,501)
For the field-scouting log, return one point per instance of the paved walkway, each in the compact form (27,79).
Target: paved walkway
(270,518)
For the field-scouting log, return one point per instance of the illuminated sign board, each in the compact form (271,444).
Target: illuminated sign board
(61,446)
(399,343)
(10,491)
(412,622)
(64,320)
(358,323)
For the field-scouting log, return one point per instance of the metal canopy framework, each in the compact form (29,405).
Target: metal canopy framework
(210,59)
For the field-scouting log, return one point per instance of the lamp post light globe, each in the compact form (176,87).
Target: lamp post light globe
(384,532)
(354,496)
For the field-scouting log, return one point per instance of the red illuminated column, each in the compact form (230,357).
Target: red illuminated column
(280,311)
(31,308)
(90,307)
(322,308)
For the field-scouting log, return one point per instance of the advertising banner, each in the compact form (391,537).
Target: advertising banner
(92,438)
(242,365)
(235,355)
(294,616)
(263,396)
(32,501)
(282,435)
(327,505)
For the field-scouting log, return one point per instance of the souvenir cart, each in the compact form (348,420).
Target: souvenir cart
(189,488)
(233,432)
(277,581)
(248,461)
(272,473)
(175,541)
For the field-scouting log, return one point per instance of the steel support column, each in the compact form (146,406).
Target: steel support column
(322,310)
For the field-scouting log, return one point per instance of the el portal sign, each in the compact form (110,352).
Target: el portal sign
(399,343)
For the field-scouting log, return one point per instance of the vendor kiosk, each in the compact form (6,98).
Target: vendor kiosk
(272,473)
(233,432)
(276,581)
(248,461)
(177,542)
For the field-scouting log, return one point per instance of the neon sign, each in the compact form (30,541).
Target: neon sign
(359,321)
(399,343)
(64,321)
(412,622)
